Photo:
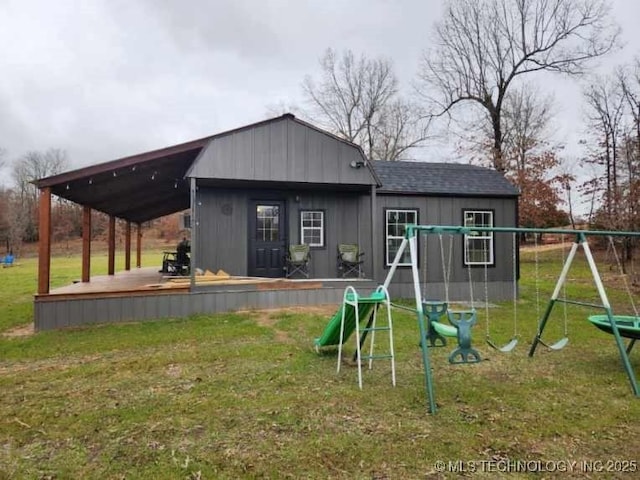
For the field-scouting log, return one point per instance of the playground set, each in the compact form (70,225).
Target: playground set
(355,309)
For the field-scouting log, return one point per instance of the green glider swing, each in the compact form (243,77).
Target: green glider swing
(462,320)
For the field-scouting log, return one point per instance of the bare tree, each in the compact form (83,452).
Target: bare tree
(629,79)
(357,99)
(33,166)
(527,118)
(279,108)
(630,83)
(540,201)
(482,47)
(17,222)
(605,101)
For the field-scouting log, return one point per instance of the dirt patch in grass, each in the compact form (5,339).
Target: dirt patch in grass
(47,365)
(19,331)
(271,316)
(329,310)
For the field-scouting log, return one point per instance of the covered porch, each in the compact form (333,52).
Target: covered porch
(248,191)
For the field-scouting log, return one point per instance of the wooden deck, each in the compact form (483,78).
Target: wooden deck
(132,280)
(145,294)
(150,279)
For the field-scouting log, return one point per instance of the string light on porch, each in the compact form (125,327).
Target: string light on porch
(153,177)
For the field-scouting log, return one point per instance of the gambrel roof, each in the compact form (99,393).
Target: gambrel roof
(153,184)
(442,179)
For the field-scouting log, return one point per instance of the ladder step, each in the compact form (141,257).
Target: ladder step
(375,329)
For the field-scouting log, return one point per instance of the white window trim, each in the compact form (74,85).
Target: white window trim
(479,236)
(321,227)
(387,237)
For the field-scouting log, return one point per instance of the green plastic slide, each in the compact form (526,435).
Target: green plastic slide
(331,334)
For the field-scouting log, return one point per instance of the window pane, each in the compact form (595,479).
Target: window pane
(392,250)
(396,222)
(312,228)
(479,246)
(267,223)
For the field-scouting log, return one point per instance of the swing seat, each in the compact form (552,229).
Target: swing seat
(507,348)
(628,326)
(437,331)
(444,329)
(559,345)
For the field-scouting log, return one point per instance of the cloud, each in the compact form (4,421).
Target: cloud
(108,78)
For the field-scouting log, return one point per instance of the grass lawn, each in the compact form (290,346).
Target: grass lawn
(244,395)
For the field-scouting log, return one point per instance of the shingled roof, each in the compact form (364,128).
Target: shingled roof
(446,179)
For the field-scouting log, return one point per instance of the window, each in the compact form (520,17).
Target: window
(478,248)
(395,227)
(267,223)
(312,228)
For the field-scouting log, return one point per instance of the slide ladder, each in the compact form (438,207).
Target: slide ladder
(347,320)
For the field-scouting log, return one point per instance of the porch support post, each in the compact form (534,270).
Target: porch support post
(139,246)
(44,241)
(127,247)
(86,243)
(374,233)
(194,233)
(111,245)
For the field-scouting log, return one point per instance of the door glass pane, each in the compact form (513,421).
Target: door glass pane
(267,223)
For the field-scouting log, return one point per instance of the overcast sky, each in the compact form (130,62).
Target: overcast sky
(103,79)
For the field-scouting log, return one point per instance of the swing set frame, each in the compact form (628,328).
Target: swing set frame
(410,241)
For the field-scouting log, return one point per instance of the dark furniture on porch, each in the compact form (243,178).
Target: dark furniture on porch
(178,262)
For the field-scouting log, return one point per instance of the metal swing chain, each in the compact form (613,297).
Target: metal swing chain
(486,298)
(446,269)
(515,285)
(424,269)
(623,275)
(466,249)
(537,274)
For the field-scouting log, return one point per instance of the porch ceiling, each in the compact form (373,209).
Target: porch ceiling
(137,188)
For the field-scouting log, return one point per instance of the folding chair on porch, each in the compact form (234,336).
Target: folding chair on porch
(350,260)
(297,261)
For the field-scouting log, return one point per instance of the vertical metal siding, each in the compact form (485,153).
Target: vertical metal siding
(278,161)
(297,152)
(261,157)
(281,151)
(222,239)
(448,211)
(222,230)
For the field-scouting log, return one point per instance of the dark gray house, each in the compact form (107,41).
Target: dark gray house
(253,191)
